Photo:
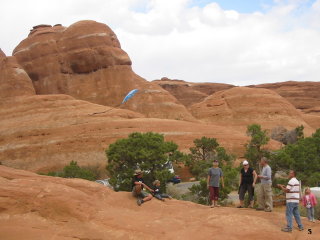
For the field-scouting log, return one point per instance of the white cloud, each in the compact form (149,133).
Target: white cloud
(170,38)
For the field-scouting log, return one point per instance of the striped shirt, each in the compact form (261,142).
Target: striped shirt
(294,191)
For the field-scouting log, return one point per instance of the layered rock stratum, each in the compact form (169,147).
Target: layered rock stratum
(34,207)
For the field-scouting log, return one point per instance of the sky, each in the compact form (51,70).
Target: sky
(239,42)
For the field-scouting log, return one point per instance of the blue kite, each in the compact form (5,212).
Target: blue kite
(126,98)
(130,95)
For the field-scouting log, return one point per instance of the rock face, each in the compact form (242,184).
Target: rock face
(14,81)
(45,132)
(241,106)
(86,61)
(34,207)
(303,95)
(190,93)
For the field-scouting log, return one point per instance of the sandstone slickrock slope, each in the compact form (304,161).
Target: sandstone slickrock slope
(43,133)
(190,93)
(241,106)
(42,207)
(85,61)
(303,95)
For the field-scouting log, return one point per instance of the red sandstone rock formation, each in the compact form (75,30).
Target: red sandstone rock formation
(34,207)
(46,132)
(86,61)
(241,106)
(14,81)
(190,93)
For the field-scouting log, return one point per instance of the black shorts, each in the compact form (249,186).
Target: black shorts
(243,189)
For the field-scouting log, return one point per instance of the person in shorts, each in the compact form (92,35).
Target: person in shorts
(215,174)
(138,187)
(248,178)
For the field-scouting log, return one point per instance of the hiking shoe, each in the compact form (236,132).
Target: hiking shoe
(286,229)
(139,202)
(240,207)
(259,209)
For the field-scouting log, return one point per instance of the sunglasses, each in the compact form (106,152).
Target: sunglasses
(245,165)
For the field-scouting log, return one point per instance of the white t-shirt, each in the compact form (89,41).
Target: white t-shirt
(294,188)
(308,205)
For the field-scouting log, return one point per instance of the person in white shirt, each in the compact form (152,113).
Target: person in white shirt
(292,191)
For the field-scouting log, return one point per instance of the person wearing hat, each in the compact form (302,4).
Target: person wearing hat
(137,188)
(213,182)
(248,178)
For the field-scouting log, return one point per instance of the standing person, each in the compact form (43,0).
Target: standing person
(292,191)
(309,201)
(265,194)
(137,188)
(213,182)
(248,178)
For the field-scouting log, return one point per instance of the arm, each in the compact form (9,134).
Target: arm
(208,181)
(147,187)
(240,179)
(283,188)
(255,176)
(222,181)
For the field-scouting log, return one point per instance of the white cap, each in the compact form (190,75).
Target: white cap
(245,162)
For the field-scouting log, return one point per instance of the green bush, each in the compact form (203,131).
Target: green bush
(147,151)
(73,170)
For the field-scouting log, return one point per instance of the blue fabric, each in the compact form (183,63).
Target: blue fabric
(130,95)
(293,211)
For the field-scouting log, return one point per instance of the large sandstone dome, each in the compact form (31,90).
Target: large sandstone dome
(241,106)
(85,61)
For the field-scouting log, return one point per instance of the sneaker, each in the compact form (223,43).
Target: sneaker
(259,209)
(139,202)
(268,210)
(240,207)
(301,228)
(212,206)
(286,229)
(313,220)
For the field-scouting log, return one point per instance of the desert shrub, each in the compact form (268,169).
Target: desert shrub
(146,151)
(73,170)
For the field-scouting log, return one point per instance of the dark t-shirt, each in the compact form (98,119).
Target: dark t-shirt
(247,177)
(156,190)
(137,179)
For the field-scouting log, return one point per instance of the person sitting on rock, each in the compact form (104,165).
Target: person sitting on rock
(157,192)
(137,188)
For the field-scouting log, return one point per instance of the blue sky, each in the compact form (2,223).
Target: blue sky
(246,6)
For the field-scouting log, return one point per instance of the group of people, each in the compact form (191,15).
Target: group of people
(138,186)
(247,183)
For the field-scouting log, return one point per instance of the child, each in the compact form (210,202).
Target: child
(309,201)
(157,193)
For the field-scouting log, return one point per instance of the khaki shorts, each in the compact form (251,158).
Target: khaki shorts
(142,194)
